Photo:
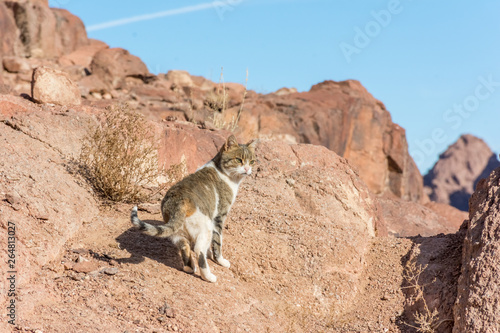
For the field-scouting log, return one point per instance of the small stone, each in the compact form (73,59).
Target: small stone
(110,270)
(79,250)
(13,198)
(85,267)
(68,265)
(150,208)
(170,313)
(81,259)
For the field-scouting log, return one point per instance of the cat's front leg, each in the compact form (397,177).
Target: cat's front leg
(217,242)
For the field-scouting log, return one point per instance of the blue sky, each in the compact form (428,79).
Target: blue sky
(434,64)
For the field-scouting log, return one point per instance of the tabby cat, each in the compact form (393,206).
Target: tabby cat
(194,209)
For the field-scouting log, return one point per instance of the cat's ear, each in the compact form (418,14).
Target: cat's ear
(230,143)
(252,144)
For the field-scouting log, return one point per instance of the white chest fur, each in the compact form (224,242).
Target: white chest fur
(232,184)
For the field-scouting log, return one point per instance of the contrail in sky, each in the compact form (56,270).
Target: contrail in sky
(145,17)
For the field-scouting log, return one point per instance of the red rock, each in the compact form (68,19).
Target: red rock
(14,64)
(92,83)
(83,56)
(478,301)
(454,176)
(113,66)
(454,216)
(11,105)
(189,145)
(9,41)
(71,33)
(179,78)
(406,218)
(345,118)
(45,32)
(38,33)
(53,86)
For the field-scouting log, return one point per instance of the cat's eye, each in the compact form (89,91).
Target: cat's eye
(239,160)
(252,162)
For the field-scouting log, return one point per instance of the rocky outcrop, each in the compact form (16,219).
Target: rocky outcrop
(478,303)
(347,119)
(40,31)
(113,66)
(46,203)
(341,116)
(9,36)
(454,176)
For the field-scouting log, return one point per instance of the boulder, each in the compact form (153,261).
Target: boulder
(454,176)
(83,56)
(346,118)
(179,78)
(53,86)
(15,64)
(113,66)
(71,33)
(307,211)
(478,302)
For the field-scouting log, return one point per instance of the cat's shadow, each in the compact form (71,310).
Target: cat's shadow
(142,246)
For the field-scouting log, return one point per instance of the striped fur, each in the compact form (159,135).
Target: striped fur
(194,210)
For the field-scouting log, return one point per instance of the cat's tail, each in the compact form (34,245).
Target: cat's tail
(149,229)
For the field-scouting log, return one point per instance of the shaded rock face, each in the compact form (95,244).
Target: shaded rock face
(454,176)
(345,118)
(440,258)
(40,31)
(478,301)
(9,40)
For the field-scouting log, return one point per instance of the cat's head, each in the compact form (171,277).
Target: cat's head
(237,160)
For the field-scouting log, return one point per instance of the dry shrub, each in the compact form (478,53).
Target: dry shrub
(426,321)
(217,101)
(120,156)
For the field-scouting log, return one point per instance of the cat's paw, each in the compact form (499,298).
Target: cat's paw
(209,277)
(224,262)
(188,270)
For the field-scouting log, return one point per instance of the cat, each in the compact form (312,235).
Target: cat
(194,209)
